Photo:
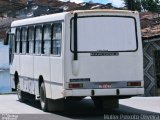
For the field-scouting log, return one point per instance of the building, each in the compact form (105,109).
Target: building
(150,24)
(151,50)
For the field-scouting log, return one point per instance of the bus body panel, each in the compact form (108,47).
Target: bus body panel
(42,68)
(26,73)
(33,66)
(105,92)
(117,69)
(56,77)
(57,69)
(15,66)
(124,68)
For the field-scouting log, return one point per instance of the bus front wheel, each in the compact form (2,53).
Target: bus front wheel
(22,97)
(43,99)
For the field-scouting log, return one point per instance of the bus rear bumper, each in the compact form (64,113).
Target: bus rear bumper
(104,92)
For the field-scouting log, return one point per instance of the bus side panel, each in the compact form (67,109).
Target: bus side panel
(42,69)
(56,77)
(14,66)
(57,70)
(27,73)
(68,57)
(126,67)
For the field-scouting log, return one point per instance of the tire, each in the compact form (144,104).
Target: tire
(49,105)
(22,96)
(43,99)
(98,102)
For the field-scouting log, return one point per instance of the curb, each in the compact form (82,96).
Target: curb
(8,93)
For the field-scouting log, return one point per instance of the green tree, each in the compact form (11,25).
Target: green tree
(133,4)
(137,5)
(150,5)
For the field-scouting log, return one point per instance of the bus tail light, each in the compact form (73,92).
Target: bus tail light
(75,85)
(134,84)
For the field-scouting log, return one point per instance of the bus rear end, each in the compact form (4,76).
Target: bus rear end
(103,57)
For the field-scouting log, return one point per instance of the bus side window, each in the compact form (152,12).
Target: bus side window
(56,39)
(17,43)
(12,43)
(47,39)
(38,40)
(24,40)
(31,39)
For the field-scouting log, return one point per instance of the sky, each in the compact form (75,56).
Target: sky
(116,3)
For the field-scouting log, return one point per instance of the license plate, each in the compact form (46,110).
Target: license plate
(104,85)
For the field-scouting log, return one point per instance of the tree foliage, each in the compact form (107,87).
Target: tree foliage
(133,4)
(150,5)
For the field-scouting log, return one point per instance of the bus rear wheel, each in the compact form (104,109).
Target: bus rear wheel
(97,102)
(50,104)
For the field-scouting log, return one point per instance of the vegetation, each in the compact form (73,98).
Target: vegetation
(148,5)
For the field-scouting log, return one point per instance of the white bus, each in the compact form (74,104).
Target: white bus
(71,55)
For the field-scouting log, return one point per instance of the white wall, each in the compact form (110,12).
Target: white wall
(4,56)
(4,69)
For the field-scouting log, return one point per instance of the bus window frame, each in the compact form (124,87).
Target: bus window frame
(49,40)
(33,28)
(72,34)
(11,42)
(36,26)
(56,55)
(26,27)
(34,40)
(17,52)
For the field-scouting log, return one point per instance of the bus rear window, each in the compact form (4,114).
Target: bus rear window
(106,34)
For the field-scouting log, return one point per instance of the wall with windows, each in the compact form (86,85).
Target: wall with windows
(4,69)
(4,56)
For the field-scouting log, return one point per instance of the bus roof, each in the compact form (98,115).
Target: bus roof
(105,10)
(39,19)
(61,16)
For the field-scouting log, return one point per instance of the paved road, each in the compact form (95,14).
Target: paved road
(145,108)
